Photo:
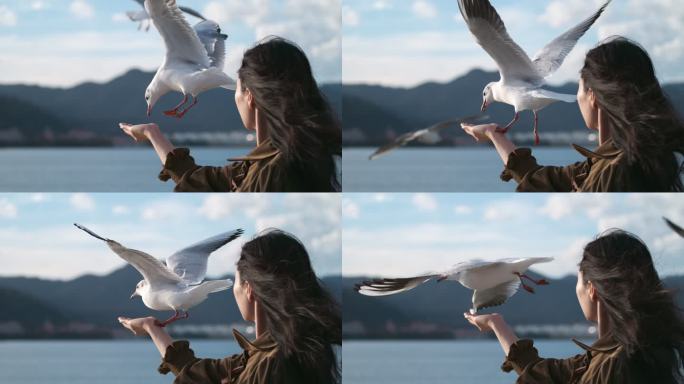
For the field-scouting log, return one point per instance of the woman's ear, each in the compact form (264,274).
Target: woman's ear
(593,295)
(250,98)
(249,292)
(592,98)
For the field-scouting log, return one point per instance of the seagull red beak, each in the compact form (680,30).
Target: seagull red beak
(134,294)
(484,106)
(149,110)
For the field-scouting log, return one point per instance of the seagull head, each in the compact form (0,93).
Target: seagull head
(138,289)
(487,96)
(150,99)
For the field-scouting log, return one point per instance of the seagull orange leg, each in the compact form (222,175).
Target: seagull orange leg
(525,286)
(175,317)
(506,128)
(183,112)
(174,111)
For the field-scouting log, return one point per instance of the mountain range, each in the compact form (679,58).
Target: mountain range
(373,114)
(99,107)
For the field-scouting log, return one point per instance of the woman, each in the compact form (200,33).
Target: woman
(297,133)
(639,131)
(641,331)
(296,321)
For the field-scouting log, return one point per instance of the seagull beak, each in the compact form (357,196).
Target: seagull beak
(484,106)
(135,293)
(149,110)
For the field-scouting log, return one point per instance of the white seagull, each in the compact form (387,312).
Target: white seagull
(143,18)
(429,135)
(176,285)
(493,282)
(194,57)
(522,78)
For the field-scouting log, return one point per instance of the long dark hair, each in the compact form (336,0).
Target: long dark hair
(641,312)
(300,122)
(301,315)
(642,120)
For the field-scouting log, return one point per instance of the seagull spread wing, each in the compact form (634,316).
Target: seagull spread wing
(152,269)
(490,32)
(214,42)
(483,298)
(550,58)
(191,12)
(678,230)
(191,263)
(384,287)
(181,41)
(410,136)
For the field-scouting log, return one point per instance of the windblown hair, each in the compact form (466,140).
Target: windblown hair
(642,314)
(299,119)
(641,118)
(300,314)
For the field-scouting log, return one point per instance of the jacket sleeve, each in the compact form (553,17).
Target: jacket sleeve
(190,177)
(532,369)
(180,360)
(532,177)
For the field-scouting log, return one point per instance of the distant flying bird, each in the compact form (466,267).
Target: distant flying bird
(429,135)
(176,285)
(493,282)
(194,57)
(522,78)
(143,18)
(676,228)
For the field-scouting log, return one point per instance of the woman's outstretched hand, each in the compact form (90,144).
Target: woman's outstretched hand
(139,132)
(480,132)
(140,326)
(484,323)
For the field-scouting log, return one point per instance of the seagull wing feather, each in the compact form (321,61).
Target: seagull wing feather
(495,296)
(384,287)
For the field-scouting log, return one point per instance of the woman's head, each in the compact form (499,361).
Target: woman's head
(276,87)
(618,85)
(617,277)
(275,273)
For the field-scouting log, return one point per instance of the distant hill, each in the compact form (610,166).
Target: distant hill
(100,299)
(443,304)
(98,108)
(27,310)
(374,110)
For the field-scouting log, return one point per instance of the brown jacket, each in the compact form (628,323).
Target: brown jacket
(257,364)
(604,170)
(604,362)
(263,170)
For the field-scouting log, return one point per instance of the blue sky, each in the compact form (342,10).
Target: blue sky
(37,237)
(407,42)
(407,234)
(66,42)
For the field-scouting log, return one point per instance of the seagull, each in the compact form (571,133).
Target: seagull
(143,18)
(429,135)
(678,230)
(194,57)
(493,282)
(522,78)
(178,284)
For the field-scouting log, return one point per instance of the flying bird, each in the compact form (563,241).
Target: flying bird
(194,57)
(522,79)
(678,230)
(177,284)
(429,135)
(143,18)
(493,282)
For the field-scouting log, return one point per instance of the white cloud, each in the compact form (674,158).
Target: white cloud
(350,209)
(39,197)
(39,5)
(350,18)
(120,18)
(380,5)
(7,17)
(462,209)
(218,206)
(7,209)
(424,202)
(82,9)
(82,202)
(120,210)
(424,9)
(167,210)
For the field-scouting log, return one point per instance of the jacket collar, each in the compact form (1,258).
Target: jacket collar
(263,151)
(605,151)
(264,342)
(604,344)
